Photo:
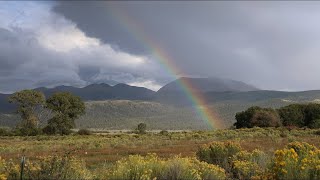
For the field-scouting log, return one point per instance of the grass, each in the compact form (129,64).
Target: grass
(108,148)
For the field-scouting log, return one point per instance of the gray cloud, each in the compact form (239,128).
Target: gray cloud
(43,48)
(273,45)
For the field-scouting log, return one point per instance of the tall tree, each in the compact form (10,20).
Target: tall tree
(66,108)
(293,115)
(28,101)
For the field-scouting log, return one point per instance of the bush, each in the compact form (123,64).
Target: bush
(246,165)
(297,161)
(4,131)
(219,153)
(51,167)
(152,167)
(84,132)
(142,128)
(27,131)
(164,132)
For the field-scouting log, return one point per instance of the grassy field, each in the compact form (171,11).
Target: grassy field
(103,148)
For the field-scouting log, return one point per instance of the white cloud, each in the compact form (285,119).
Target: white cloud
(148,84)
(44,48)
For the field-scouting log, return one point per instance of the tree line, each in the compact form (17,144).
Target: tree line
(63,107)
(294,115)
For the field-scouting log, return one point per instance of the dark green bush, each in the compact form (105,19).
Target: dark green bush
(164,132)
(84,132)
(142,128)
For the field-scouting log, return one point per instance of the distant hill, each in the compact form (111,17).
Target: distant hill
(103,92)
(90,93)
(208,85)
(123,106)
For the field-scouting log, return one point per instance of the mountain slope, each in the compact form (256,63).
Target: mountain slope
(89,93)
(207,85)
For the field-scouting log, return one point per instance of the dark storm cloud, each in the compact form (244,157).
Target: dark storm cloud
(41,48)
(273,45)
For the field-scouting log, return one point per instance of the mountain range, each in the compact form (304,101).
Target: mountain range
(122,106)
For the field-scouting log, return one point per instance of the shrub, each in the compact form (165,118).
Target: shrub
(246,165)
(27,131)
(50,167)
(164,132)
(153,167)
(4,131)
(142,128)
(297,161)
(84,132)
(219,153)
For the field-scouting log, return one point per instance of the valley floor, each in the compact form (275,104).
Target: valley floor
(105,149)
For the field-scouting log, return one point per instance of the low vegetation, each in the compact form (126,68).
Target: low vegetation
(270,144)
(255,153)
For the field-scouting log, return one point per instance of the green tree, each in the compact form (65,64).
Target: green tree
(292,115)
(28,101)
(142,128)
(243,119)
(66,108)
(265,118)
(312,115)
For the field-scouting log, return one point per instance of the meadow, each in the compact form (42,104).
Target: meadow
(101,156)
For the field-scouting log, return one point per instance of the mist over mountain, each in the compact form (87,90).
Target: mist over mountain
(208,85)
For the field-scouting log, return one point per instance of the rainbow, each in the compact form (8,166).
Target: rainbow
(208,115)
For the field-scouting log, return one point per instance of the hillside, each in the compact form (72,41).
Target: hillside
(207,85)
(123,106)
(92,92)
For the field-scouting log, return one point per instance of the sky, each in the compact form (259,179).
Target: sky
(271,45)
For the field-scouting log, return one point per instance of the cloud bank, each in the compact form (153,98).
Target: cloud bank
(39,47)
(272,45)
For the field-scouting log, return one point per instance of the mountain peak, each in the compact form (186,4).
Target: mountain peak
(208,84)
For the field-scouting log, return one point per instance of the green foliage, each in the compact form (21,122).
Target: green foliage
(4,131)
(244,118)
(312,115)
(265,118)
(66,108)
(298,115)
(28,101)
(27,131)
(59,125)
(257,116)
(142,127)
(64,103)
(292,115)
